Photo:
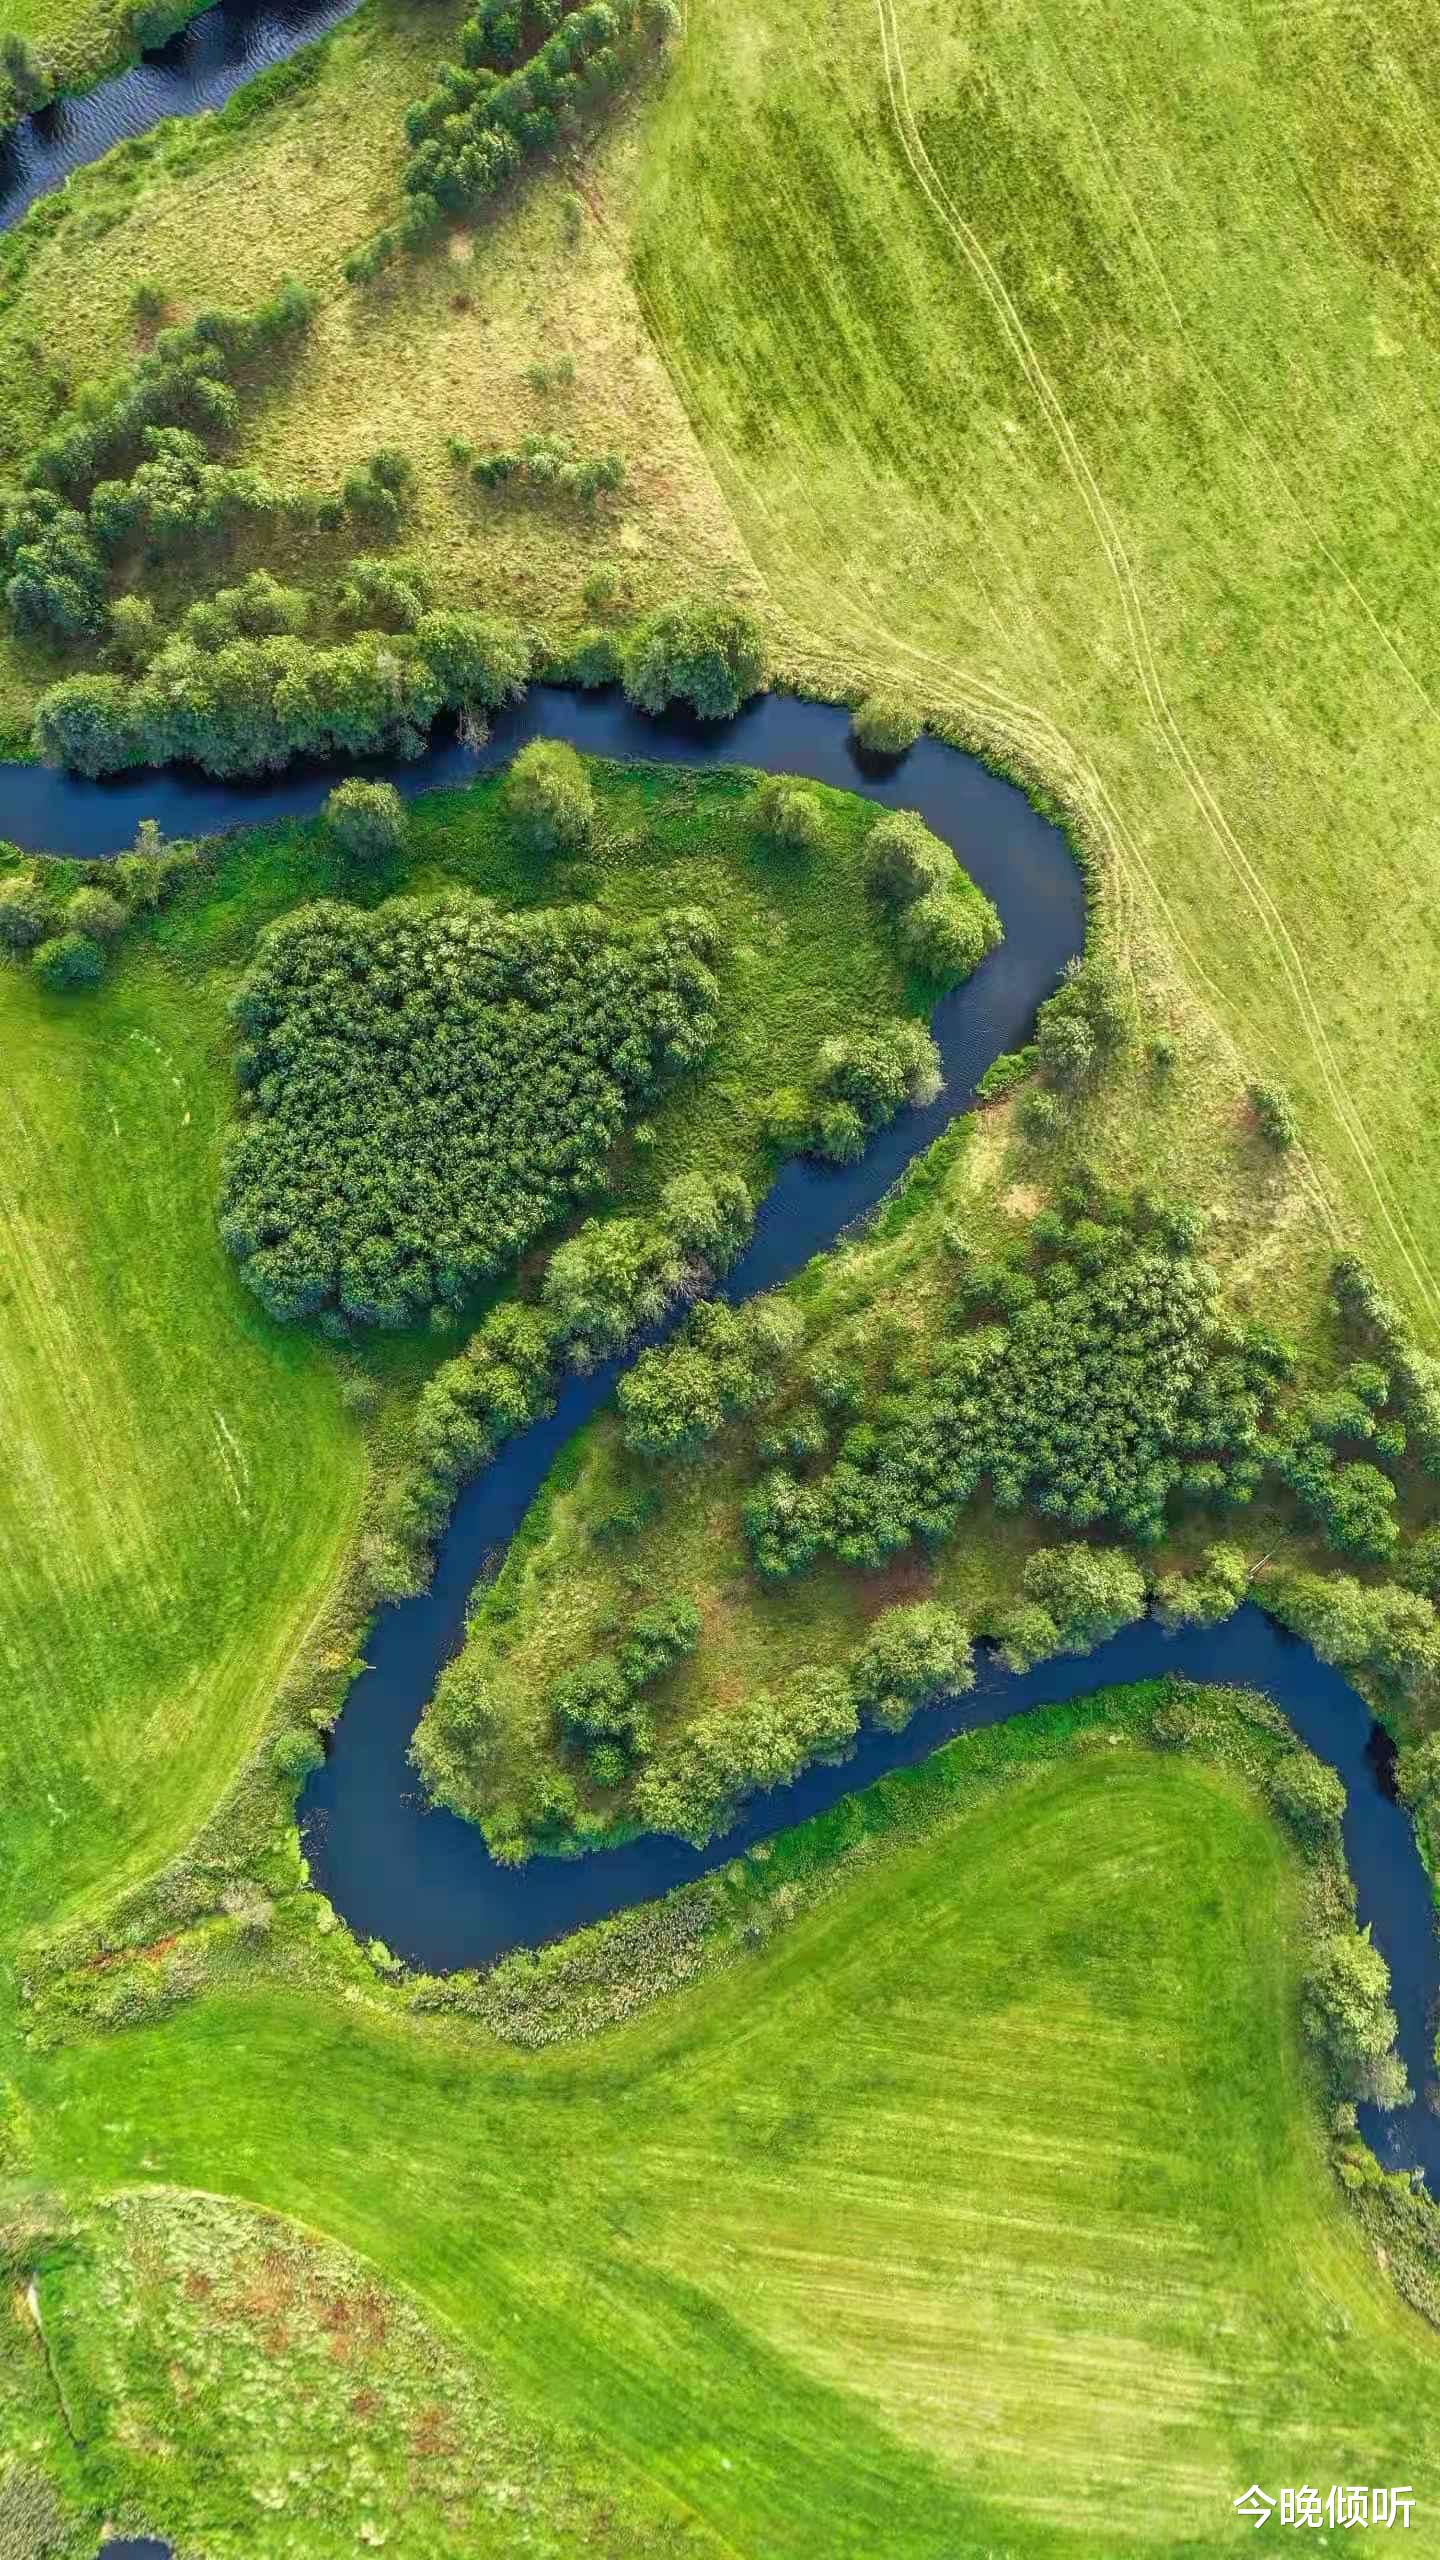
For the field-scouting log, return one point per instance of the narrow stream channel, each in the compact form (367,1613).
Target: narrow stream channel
(419,1878)
(200,67)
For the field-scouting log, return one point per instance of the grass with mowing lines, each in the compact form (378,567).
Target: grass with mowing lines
(1082,368)
(983,2208)
(180,1481)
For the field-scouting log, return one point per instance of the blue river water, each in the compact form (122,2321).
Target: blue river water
(200,67)
(416,1876)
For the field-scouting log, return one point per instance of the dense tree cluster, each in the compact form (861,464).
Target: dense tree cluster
(725,1362)
(943,923)
(430,1087)
(603,1706)
(250,706)
(1347,2010)
(1093,1382)
(861,1079)
(529,76)
(1084,1024)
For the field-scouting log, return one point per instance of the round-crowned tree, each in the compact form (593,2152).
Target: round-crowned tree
(883,725)
(26,912)
(95,912)
(905,860)
(711,656)
(548,797)
(368,817)
(69,960)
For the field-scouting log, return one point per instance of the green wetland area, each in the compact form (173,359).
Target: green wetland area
(720,1280)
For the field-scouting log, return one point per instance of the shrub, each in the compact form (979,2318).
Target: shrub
(693,1785)
(1347,2010)
(914,1651)
(945,936)
(790,816)
(1089,1592)
(906,861)
(1375,1627)
(1084,1023)
(1274,1115)
(1040,1115)
(69,960)
(602,589)
(27,913)
(294,1755)
(711,656)
(24,75)
(549,798)
(884,726)
(369,819)
(725,1362)
(1207,1597)
(95,912)
(147,301)
(1310,1796)
(434,1085)
(383,595)
(134,631)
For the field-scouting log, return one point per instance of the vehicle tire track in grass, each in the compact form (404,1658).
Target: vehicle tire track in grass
(1072,453)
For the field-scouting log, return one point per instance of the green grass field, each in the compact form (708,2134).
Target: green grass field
(984,2209)
(181,1483)
(1082,369)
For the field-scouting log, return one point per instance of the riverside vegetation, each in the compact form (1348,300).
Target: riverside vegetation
(308,517)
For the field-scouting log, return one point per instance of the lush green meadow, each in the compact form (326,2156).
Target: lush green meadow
(1082,370)
(180,1482)
(981,2205)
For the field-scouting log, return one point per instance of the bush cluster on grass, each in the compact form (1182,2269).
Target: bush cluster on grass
(430,1086)
(132,462)
(548,465)
(1094,1379)
(861,1080)
(790,815)
(66,936)
(1274,1115)
(529,77)
(549,799)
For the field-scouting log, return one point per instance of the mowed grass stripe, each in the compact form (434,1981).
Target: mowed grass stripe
(180,1482)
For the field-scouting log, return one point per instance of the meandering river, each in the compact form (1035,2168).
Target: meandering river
(417,1877)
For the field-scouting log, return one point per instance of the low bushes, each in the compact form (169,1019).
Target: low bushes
(884,726)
